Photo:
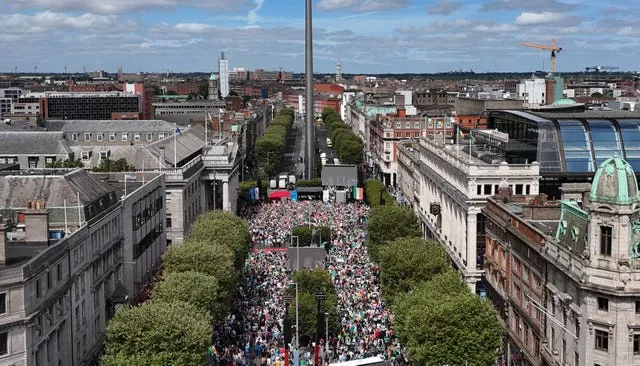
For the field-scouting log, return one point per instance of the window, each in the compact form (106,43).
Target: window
(576,359)
(168,221)
(49,159)
(602,340)
(124,137)
(49,280)
(603,304)
(487,189)
(37,288)
(87,136)
(104,155)
(3,303)
(136,137)
(59,272)
(149,137)
(74,137)
(85,155)
(637,308)
(606,232)
(161,135)
(100,136)
(112,137)
(4,343)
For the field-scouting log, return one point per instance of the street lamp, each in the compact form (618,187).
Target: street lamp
(297,250)
(297,344)
(320,297)
(326,336)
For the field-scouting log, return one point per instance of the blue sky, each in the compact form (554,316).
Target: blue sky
(369,36)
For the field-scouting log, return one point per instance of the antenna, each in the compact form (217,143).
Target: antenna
(84,69)
(35,69)
(15,70)
(65,69)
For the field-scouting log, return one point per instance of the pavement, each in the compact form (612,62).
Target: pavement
(321,136)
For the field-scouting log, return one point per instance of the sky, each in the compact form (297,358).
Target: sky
(368,36)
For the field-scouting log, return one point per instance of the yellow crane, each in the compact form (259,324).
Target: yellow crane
(553,48)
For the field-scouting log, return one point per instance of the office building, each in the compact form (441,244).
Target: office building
(223,73)
(448,184)
(188,112)
(64,245)
(565,274)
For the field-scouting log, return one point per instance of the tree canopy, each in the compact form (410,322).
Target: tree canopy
(372,189)
(225,228)
(211,258)
(108,165)
(270,147)
(172,333)
(441,322)
(390,222)
(309,283)
(407,262)
(196,288)
(65,164)
(348,145)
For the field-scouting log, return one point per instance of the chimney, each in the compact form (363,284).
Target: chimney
(3,242)
(36,222)
(402,113)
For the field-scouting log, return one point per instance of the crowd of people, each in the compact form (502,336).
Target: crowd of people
(253,332)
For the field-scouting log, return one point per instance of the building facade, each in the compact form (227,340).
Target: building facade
(63,281)
(223,74)
(447,185)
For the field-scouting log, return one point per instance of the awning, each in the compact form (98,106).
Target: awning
(276,195)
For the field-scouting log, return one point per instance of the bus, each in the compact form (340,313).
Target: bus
(370,361)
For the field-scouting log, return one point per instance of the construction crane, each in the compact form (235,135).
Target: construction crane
(553,48)
(599,68)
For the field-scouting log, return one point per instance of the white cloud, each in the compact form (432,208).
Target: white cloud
(361,5)
(444,7)
(331,5)
(122,6)
(373,5)
(545,17)
(530,5)
(253,17)
(49,22)
(495,28)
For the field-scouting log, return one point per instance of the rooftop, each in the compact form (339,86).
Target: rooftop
(33,142)
(78,126)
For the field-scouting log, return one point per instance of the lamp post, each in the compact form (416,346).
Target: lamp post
(297,250)
(326,336)
(320,297)
(296,345)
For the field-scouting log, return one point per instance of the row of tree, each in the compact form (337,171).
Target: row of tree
(436,316)
(347,144)
(175,326)
(270,147)
(375,194)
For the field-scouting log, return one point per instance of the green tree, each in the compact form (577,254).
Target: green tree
(225,228)
(108,165)
(388,223)
(311,282)
(203,90)
(65,164)
(372,189)
(407,262)
(441,322)
(195,288)
(176,333)
(211,258)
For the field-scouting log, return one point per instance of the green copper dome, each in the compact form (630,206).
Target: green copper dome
(564,101)
(213,77)
(615,183)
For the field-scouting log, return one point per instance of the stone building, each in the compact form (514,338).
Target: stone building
(569,289)
(65,240)
(448,185)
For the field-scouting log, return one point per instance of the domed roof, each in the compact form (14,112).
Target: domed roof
(564,101)
(615,183)
(213,77)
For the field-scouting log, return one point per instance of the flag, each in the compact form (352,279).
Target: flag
(127,176)
(178,131)
(211,119)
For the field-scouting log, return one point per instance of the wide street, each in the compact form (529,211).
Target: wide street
(255,327)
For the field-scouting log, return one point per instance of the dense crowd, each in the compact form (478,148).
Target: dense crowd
(252,334)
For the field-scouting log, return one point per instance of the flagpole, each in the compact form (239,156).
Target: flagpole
(175,146)
(458,141)
(205,129)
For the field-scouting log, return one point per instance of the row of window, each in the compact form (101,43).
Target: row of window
(486,189)
(123,136)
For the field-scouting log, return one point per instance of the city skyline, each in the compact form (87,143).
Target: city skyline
(369,36)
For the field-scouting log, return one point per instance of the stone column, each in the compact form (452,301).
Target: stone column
(471,238)
(225,196)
